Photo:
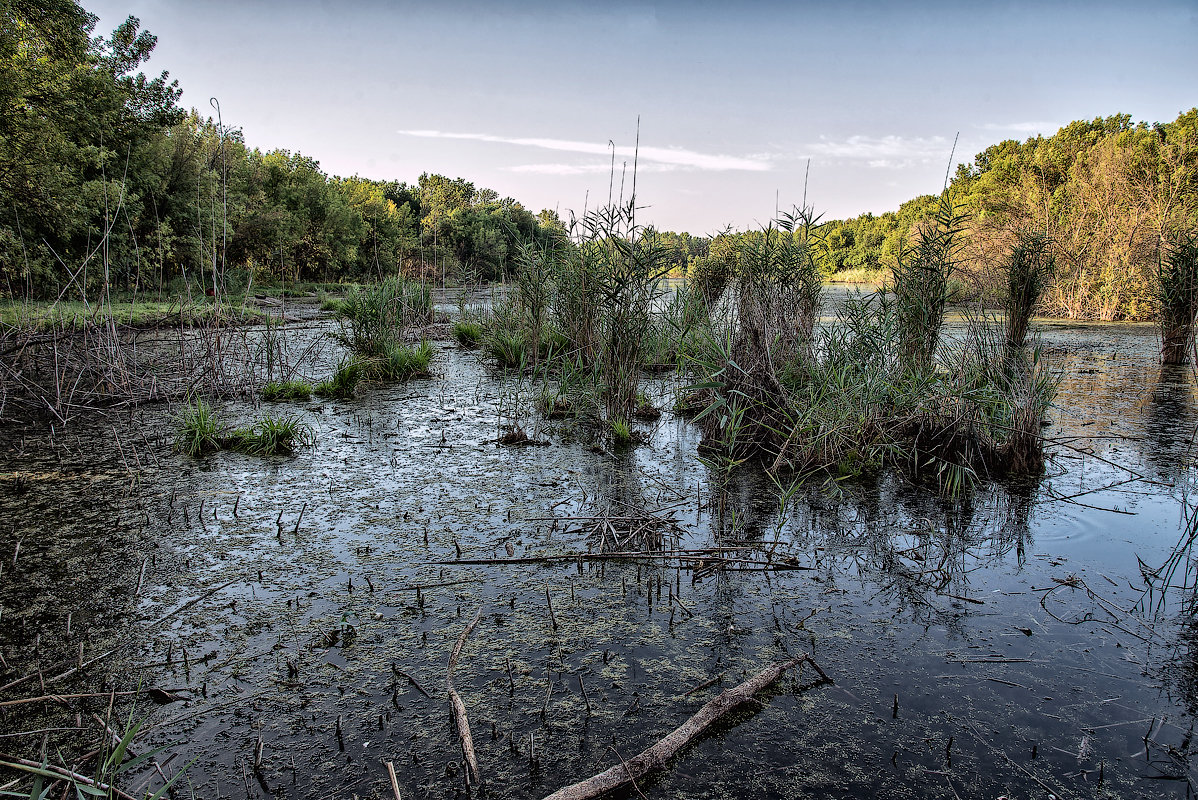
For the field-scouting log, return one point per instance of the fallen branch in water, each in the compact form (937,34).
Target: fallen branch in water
(657,756)
(459,708)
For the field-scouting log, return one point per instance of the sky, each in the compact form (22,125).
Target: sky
(742,108)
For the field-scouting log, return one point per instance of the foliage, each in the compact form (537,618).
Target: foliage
(1107,192)
(93,151)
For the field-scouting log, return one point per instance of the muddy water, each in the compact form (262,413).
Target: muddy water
(979,648)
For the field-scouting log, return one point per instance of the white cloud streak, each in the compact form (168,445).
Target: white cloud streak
(587,169)
(1022,127)
(884,151)
(672,157)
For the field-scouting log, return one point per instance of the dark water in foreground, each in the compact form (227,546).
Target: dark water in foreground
(1013,628)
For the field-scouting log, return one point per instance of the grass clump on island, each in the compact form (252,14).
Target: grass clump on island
(467,333)
(772,381)
(342,383)
(374,321)
(200,432)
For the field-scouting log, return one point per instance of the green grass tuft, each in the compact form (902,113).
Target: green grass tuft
(272,436)
(199,429)
(401,361)
(286,391)
(621,432)
(343,382)
(467,334)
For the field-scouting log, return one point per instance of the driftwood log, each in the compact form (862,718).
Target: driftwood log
(657,756)
(459,708)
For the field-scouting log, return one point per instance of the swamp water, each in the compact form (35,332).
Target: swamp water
(1003,645)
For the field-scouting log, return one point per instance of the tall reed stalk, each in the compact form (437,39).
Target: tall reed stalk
(1177,294)
(921,277)
(1029,266)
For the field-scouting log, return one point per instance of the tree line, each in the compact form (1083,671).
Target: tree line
(1111,196)
(106,182)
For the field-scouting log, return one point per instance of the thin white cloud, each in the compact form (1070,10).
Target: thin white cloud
(884,151)
(1021,127)
(676,157)
(587,169)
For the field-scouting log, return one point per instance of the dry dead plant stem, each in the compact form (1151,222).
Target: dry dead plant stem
(459,708)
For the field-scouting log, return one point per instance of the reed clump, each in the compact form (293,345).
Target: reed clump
(374,323)
(583,312)
(881,383)
(1030,266)
(1177,297)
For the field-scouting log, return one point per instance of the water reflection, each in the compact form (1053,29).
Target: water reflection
(1170,422)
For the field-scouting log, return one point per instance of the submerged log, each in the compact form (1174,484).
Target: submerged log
(459,708)
(657,756)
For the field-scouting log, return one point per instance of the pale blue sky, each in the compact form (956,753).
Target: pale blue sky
(733,99)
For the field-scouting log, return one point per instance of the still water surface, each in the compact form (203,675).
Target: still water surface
(1000,645)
